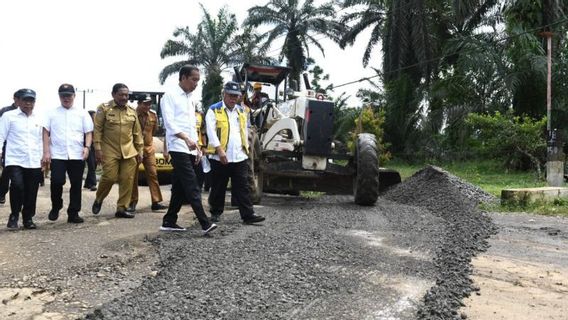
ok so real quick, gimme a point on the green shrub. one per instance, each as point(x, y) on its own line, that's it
point(370, 121)
point(518, 141)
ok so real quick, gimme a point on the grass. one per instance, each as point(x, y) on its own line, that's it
point(492, 177)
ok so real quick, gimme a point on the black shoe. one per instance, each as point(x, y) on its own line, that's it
point(166, 226)
point(75, 219)
point(53, 215)
point(12, 222)
point(215, 218)
point(124, 214)
point(211, 228)
point(156, 207)
point(253, 218)
point(2, 199)
point(131, 208)
point(29, 225)
point(93, 188)
point(97, 207)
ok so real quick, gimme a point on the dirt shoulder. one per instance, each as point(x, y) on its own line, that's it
point(60, 270)
point(524, 274)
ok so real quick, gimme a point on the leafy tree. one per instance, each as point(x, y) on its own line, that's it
point(317, 76)
point(211, 47)
point(298, 23)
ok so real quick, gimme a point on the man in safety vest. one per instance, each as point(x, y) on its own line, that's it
point(228, 149)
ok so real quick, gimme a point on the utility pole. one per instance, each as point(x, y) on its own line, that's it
point(555, 156)
point(85, 91)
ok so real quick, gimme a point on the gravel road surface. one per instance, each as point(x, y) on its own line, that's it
point(407, 257)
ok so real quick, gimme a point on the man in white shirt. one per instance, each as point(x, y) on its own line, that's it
point(67, 138)
point(227, 130)
point(4, 179)
point(178, 110)
point(21, 129)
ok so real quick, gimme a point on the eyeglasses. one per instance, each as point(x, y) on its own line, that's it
point(65, 95)
point(29, 99)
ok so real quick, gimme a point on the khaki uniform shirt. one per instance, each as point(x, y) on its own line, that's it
point(117, 131)
point(149, 125)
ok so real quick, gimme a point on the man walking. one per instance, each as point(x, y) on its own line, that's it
point(91, 178)
point(228, 148)
point(118, 143)
point(178, 109)
point(149, 124)
point(4, 179)
point(67, 137)
point(21, 130)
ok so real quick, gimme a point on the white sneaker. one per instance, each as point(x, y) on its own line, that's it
point(211, 228)
point(171, 227)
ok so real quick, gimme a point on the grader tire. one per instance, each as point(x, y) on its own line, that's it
point(255, 176)
point(366, 184)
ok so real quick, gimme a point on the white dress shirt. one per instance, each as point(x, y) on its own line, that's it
point(67, 128)
point(22, 134)
point(178, 111)
point(234, 152)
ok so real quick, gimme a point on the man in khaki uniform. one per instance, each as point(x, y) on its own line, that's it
point(149, 123)
point(118, 147)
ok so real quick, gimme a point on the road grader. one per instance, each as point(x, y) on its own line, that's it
point(292, 147)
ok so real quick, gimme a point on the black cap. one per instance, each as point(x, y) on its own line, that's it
point(27, 93)
point(18, 94)
point(232, 87)
point(144, 98)
point(66, 89)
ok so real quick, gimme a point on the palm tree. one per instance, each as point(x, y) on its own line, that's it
point(298, 24)
point(372, 14)
point(252, 46)
point(210, 48)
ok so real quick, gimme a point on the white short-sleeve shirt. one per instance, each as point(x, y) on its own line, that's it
point(23, 136)
point(67, 129)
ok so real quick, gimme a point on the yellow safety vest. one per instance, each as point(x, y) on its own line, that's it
point(199, 127)
point(222, 128)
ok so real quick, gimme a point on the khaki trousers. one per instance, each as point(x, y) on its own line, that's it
point(149, 162)
point(121, 171)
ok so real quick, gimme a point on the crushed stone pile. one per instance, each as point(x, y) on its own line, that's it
point(324, 258)
point(465, 235)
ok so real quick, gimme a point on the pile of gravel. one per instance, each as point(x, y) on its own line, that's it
point(323, 258)
point(466, 231)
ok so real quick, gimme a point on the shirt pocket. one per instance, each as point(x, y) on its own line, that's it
point(129, 119)
point(112, 120)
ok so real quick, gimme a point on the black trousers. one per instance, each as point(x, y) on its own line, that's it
point(184, 186)
point(91, 178)
point(240, 190)
point(74, 169)
point(4, 183)
point(199, 174)
point(4, 178)
point(23, 190)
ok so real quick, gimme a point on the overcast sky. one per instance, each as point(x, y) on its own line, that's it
point(94, 44)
